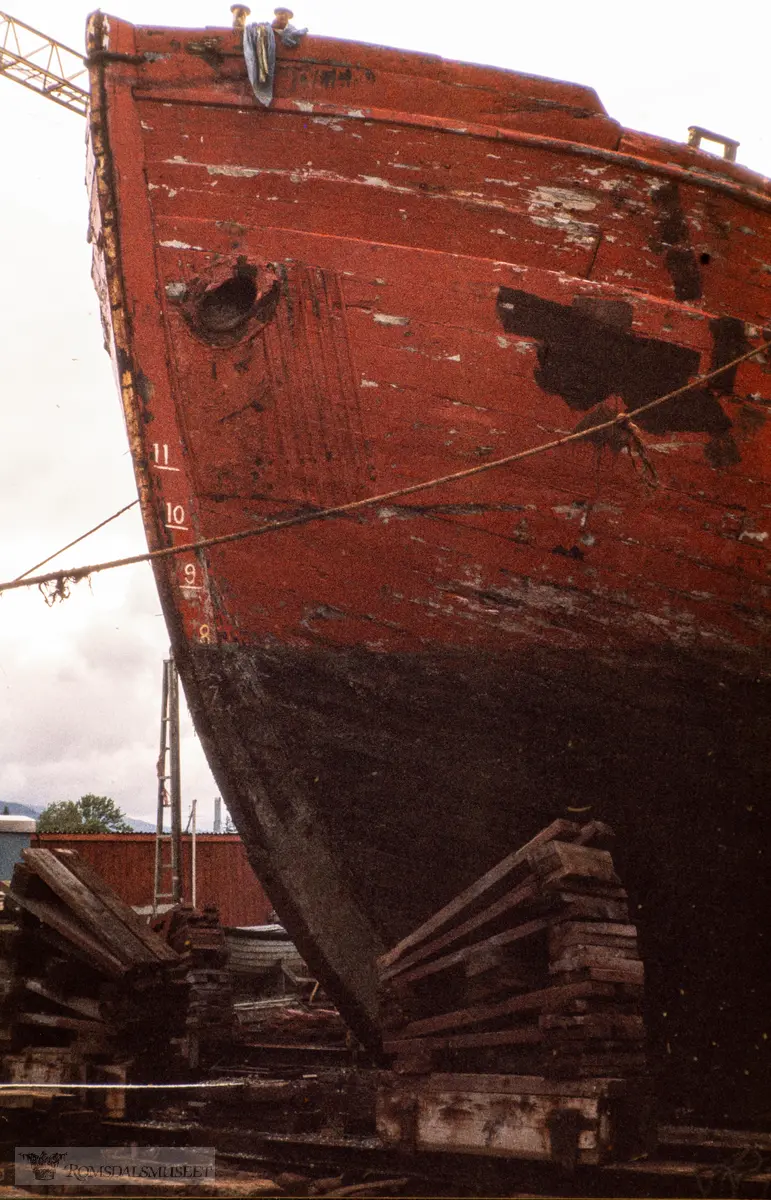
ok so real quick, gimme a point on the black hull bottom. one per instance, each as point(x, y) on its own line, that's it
point(389, 782)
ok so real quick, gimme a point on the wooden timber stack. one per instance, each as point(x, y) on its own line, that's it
point(91, 979)
point(209, 1016)
point(528, 984)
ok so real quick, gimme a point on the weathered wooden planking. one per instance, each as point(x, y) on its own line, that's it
point(593, 1025)
point(84, 1005)
point(546, 1000)
point(570, 931)
point(465, 1041)
point(89, 908)
point(515, 1116)
point(92, 880)
point(576, 958)
point(91, 948)
point(464, 904)
point(713, 1139)
point(59, 1021)
point(582, 907)
point(573, 862)
point(602, 970)
point(459, 957)
point(527, 892)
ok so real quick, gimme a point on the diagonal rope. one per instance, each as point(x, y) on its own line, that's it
point(78, 573)
point(82, 538)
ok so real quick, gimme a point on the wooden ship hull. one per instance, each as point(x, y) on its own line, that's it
point(401, 268)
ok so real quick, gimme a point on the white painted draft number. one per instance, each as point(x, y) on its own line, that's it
point(161, 457)
point(175, 516)
point(190, 578)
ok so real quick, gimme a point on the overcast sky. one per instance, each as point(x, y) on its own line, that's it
point(80, 682)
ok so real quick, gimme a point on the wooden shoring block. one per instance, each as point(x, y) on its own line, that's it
point(604, 1026)
point(458, 958)
point(597, 834)
point(580, 906)
point(622, 970)
point(521, 896)
point(618, 1062)
point(523, 1036)
point(59, 1021)
point(624, 947)
point(575, 958)
point(83, 1005)
point(478, 893)
point(561, 862)
point(60, 920)
point(548, 999)
point(92, 880)
point(88, 908)
point(586, 932)
point(567, 1122)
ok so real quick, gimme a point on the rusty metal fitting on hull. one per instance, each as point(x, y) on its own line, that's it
point(282, 17)
point(240, 13)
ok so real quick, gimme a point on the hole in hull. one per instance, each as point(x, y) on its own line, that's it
point(226, 307)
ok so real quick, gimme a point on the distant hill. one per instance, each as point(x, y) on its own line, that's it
point(34, 811)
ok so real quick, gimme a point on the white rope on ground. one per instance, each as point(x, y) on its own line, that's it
point(123, 1087)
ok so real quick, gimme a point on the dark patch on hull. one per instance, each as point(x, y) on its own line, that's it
point(585, 357)
point(424, 770)
point(673, 241)
point(729, 341)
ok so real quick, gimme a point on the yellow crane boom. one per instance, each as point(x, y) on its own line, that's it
point(42, 64)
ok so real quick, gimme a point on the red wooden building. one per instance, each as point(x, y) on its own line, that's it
point(127, 862)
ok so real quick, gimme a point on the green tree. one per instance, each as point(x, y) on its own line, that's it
point(89, 814)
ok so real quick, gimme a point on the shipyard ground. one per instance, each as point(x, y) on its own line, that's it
point(307, 1146)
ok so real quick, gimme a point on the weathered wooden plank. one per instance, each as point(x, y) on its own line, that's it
point(582, 907)
point(593, 1025)
point(596, 833)
point(51, 914)
point(79, 1004)
point(496, 1121)
point(92, 880)
point(527, 891)
point(527, 1085)
point(478, 891)
point(466, 1041)
point(575, 958)
point(622, 970)
point(583, 931)
point(459, 957)
point(59, 1021)
point(713, 1139)
point(573, 862)
point(545, 1000)
point(88, 908)
point(704, 1173)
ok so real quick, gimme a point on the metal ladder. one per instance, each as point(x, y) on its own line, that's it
point(167, 888)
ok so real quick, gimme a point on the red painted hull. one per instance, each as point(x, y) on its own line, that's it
point(400, 269)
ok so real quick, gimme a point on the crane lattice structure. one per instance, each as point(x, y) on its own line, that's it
point(42, 64)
